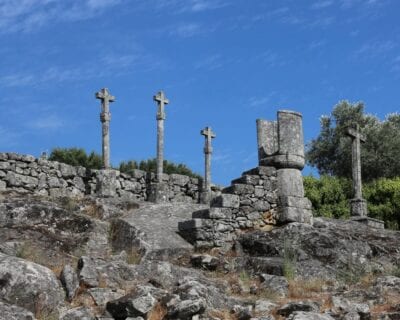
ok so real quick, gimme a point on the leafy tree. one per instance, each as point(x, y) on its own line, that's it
point(150, 165)
point(330, 152)
point(383, 198)
point(329, 196)
point(76, 157)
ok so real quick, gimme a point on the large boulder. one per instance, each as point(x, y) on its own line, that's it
point(29, 285)
point(12, 312)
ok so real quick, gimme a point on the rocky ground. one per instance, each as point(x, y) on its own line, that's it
point(93, 258)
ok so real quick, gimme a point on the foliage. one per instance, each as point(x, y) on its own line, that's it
point(76, 157)
point(150, 165)
point(383, 196)
point(330, 152)
point(330, 197)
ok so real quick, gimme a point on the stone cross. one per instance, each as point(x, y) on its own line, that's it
point(209, 135)
point(105, 117)
point(358, 203)
point(161, 100)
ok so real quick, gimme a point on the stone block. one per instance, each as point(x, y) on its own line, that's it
point(106, 183)
point(194, 224)
point(359, 207)
point(158, 193)
point(2, 174)
point(226, 200)
point(27, 158)
point(3, 156)
point(290, 183)
point(247, 179)
point(67, 171)
point(3, 185)
point(262, 205)
point(370, 222)
point(4, 166)
point(293, 214)
point(213, 213)
point(259, 191)
point(179, 179)
point(129, 185)
point(17, 180)
point(298, 202)
point(240, 189)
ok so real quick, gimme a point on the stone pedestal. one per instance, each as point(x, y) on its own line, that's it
point(370, 222)
point(359, 207)
point(158, 193)
point(106, 183)
point(205, 197)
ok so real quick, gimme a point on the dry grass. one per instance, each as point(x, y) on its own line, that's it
point(134, 256)
point(93, 210)
point(222, 314)
point(306, 288)
point(158, 312)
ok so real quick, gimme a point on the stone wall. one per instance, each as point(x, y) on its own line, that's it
point(25, 173)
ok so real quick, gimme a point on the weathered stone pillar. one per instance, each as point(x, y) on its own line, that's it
point(358, 204)
point(161, 102)
point(158, 190)
point(281, 145)
point(206, 192)
point(105, 117)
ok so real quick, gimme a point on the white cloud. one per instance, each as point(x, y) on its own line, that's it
point(187, 30)
point(49, 122)
point(30, 15)
point(322, 4)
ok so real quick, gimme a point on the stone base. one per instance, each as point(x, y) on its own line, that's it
point(294, 209)
point(205, 197)
point(370, 222)
point(359, 207)
point(158, 193)
point(106, 183)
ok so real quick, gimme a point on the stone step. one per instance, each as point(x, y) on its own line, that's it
point(213, 213)
point(247, 179)
point(239, 189)
point(261, 171)
point(226, 200)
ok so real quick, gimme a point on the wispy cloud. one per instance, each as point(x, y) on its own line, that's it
point(194, 6)
point(257, 101)
point(187, 30)
point(210, 63)
point(321, 4)
point(374, 49)
point(29, 15)
point(48, 122)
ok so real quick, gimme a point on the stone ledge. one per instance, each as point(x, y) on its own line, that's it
point(369, 222)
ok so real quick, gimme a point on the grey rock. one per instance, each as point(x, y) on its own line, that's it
point(26, 284)
point(291, 307)
point(275, 284)
point(88, 274)
point(301, 315)
point(3, 185)
point(131, 306)
point(13, 312)
point(264, 306)
point(186, 309)
point(70, 281)
point(103, 295)
point(206, 262)
point(81, 313)
point(343, 305)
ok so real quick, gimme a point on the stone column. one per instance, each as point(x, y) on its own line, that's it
point(105, 117)
point(161, 102)
point(358, 204)
point(281, 145)
point(206, 192)
point(159, 190)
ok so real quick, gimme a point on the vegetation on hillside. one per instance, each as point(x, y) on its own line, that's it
point(330, 152)
point(79, 157)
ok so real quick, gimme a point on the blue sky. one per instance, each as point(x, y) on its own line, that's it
point(222, 63)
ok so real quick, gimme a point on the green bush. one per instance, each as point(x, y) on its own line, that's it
point(76, 157)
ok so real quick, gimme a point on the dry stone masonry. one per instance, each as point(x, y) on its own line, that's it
point(270, 194)
point(26, 174)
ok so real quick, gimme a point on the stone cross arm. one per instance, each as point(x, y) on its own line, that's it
point(105, 95)
point(355, 133)
point(207, 132)
point(161, 98)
